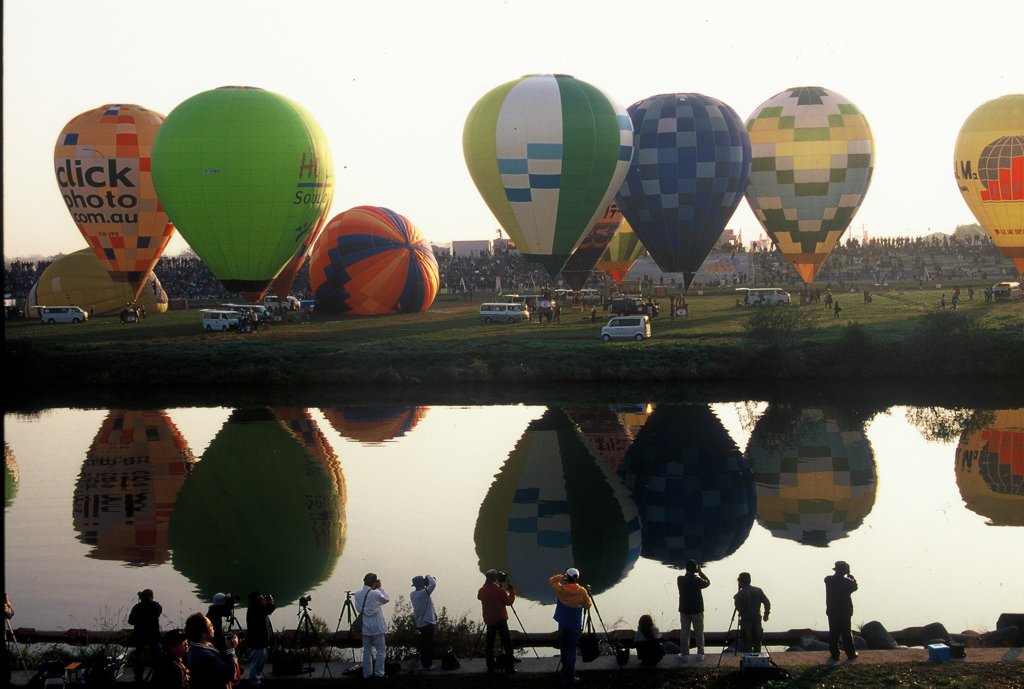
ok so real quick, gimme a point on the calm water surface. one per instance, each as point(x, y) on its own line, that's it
point(100, 504)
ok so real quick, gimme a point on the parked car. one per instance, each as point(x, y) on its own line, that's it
point(625, 306)
point(1006, 291)
point(636, 327)
point(62, 314)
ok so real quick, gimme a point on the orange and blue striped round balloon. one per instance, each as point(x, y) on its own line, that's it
point(370, 260)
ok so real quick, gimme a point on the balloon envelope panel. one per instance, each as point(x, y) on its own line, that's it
point(687, 177)
point(370, 260)
point(103, 162)
point(989, 168)
point(815, 474)
point(79, 279)
point(547, 153)
point(245, 174)
point(581, 264)
point(374, 423)
point(812, 159)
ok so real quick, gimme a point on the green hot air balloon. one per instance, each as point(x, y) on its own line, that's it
point(245, 174)
point(262, 510)
point(547, 153)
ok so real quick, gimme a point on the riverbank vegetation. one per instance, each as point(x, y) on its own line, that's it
point(900, 334)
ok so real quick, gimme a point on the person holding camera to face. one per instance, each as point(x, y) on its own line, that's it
point(145, 618)
point(839, 588)
point(495, 596)
point(426, 617)
point(223, 608)
point(691, 609)
point(573, 599)
point(258, 632)
point(210, 668)
point(369, 602)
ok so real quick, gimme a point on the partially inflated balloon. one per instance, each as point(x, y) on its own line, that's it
point(547, 152)
point(989, 168)
point(102, 160)
point(371, 260)
point(622, 252)
point(990, 466)
point(372, 424)
point(812, 159)
point(79, 279)
point(687, 177)
point(245, 174)
point(581, 264)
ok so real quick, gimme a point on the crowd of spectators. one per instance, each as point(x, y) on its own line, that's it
point(878, 261)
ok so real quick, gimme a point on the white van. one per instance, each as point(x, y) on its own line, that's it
point(62, 314)
point(504, 313)
point(220, 319)
point(764, 296)
point(290, 303)
point(635, 327)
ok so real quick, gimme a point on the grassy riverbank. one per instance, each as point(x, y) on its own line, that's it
point(900, 336)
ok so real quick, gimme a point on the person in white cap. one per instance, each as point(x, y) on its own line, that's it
point(839, 588)
point(573, 599)
point(369, 601)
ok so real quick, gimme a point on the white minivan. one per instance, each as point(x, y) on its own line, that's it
point(764, 296)
point(62, 314)
point(635, 327)
point(220, 319)
point(504, 313)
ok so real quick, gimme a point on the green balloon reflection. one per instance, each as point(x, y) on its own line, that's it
point(11, 476)
point(263, 509)
point(554, 505)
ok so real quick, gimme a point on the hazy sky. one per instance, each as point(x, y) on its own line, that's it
point(391, 82)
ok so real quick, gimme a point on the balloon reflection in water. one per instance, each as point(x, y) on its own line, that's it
point(126, 490)
point(990, 467)
point(691, 484)
point(554, 505)
point(11, 476)
point(374, 423)
point(79, 279)
point(263, 509)
point(609, 431)
point(815, 473)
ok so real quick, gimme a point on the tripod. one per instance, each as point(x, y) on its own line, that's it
point(725, 645)
point(614, 645)
point(307, 636)
point(348, 613)
point(21, 653)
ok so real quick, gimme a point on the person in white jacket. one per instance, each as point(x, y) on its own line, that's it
point(369, 602)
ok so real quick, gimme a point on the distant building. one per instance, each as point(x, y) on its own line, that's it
point(474, 248)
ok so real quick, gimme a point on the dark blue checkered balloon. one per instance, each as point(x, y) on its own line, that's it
point(687, 177)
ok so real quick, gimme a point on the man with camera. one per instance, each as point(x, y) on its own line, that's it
point(691, 609)
point(208, 667)
point(748, 601)
point(258, 632)
point(573, 599)
point(369, 601)
point(223, 608)
point(425, 616)
point(839, 588)
point(145, 618)
point(495, 595)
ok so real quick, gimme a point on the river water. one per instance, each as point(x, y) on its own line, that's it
point(294, 501)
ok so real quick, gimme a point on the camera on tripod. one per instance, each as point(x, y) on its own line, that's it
point(304, 601)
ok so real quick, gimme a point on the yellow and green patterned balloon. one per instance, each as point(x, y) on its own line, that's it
point(245, 174)
point(812, 155)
